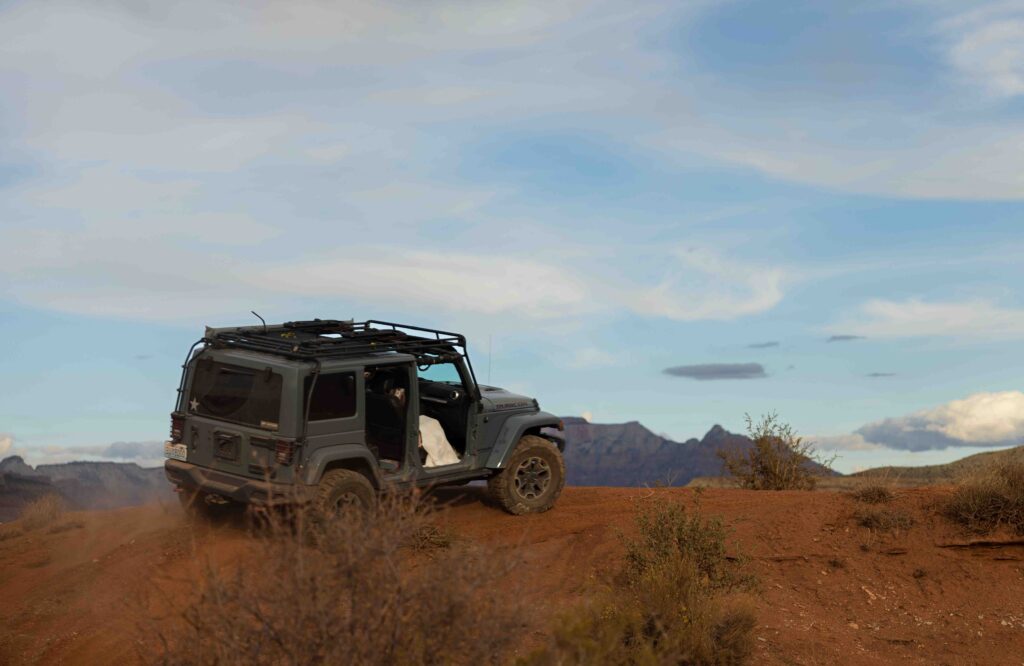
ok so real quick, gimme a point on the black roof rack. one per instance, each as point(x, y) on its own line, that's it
point(322, 339)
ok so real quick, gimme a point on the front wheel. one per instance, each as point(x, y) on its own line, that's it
point(532, 480)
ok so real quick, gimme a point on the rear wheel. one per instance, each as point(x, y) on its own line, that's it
point(532, 480)
point(342, 490)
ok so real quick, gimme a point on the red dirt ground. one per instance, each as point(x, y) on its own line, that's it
point(831, 592)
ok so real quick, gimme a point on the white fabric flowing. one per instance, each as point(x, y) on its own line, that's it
point(434, 441)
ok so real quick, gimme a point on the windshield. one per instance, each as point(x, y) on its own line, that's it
point(235, 393)
point(441, 372)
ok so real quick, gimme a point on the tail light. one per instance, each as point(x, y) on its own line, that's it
point(284, 450)
point(177, 426)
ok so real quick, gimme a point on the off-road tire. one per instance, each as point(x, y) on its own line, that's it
point(340, 489)
point(532, 480)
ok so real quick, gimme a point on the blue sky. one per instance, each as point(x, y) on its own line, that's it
point(604, 190)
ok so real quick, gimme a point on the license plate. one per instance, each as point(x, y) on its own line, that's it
point(175, 451)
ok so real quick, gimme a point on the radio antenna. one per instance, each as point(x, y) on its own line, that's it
point(261, 319)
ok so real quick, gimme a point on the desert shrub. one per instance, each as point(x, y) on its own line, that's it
point(673, 603)
point(42, 512)
point(668, 533)
point(779, 459)
point(430, 537)
point(352, 590)
point(991, 499)
point(884, 520)
point(10, 532)
point(873, 494)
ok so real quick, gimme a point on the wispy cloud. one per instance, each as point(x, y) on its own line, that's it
point(704, 285)
point(717, 371)
point(917, 318)
point(762, 345)
point(591, 357)
point(880, 375)
point(986, 47)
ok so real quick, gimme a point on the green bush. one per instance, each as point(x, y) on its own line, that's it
point(778, 459)
point(674, 603)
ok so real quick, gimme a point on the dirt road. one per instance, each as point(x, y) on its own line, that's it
point(830, 590)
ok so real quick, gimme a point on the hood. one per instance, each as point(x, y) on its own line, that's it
point(496, 399)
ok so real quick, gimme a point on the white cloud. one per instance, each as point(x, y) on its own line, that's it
point(916, 318)
point(145, 454)
point(484, 284)
point(6, 444)
point(591, 357)
point(851, 442)
point(986, 46)
point(703, 285)
point(979, 420)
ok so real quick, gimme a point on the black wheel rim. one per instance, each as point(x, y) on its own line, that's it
point(532, 478)
point(347, 501)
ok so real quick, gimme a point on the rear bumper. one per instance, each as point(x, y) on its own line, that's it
point(191, 477)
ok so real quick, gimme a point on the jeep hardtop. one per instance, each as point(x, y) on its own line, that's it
point(326, 412)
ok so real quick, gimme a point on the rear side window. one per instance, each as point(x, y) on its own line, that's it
point(334, 396)
point(235, 393)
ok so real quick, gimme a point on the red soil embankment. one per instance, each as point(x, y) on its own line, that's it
point(830, 590)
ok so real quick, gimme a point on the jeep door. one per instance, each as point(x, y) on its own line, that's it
point(448, 396)
point(336, 411)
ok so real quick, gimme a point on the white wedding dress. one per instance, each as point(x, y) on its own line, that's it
point(435, 443)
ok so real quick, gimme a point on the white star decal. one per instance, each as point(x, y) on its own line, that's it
point(193, 404)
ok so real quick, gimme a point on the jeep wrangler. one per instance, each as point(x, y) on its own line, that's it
point(326, 412)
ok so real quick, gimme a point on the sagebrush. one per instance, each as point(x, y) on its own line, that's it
point(354, 590)
point(675, 601)
point(778, 459)
point(873, 494)
point(884, 520)
point(42, 512)
point(989, 500)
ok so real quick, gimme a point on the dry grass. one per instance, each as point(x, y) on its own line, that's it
point(675, 601)
point(884, 520)
point(778, 459)
point(10, 532)
point(354, 590)
point(990, 499)
point(43, 512)
point(873, 493)
point(66, 526)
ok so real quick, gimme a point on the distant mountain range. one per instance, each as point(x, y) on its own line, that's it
point(83, 485)
point(628, 454)
point(615, 454)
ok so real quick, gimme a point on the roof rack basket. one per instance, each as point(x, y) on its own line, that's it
point(322, 339)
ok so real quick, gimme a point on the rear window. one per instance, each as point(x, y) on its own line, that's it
point(334, 396)
point(234, 393)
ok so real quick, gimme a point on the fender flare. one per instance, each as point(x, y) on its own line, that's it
point(356, 454)
point(514, 428)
